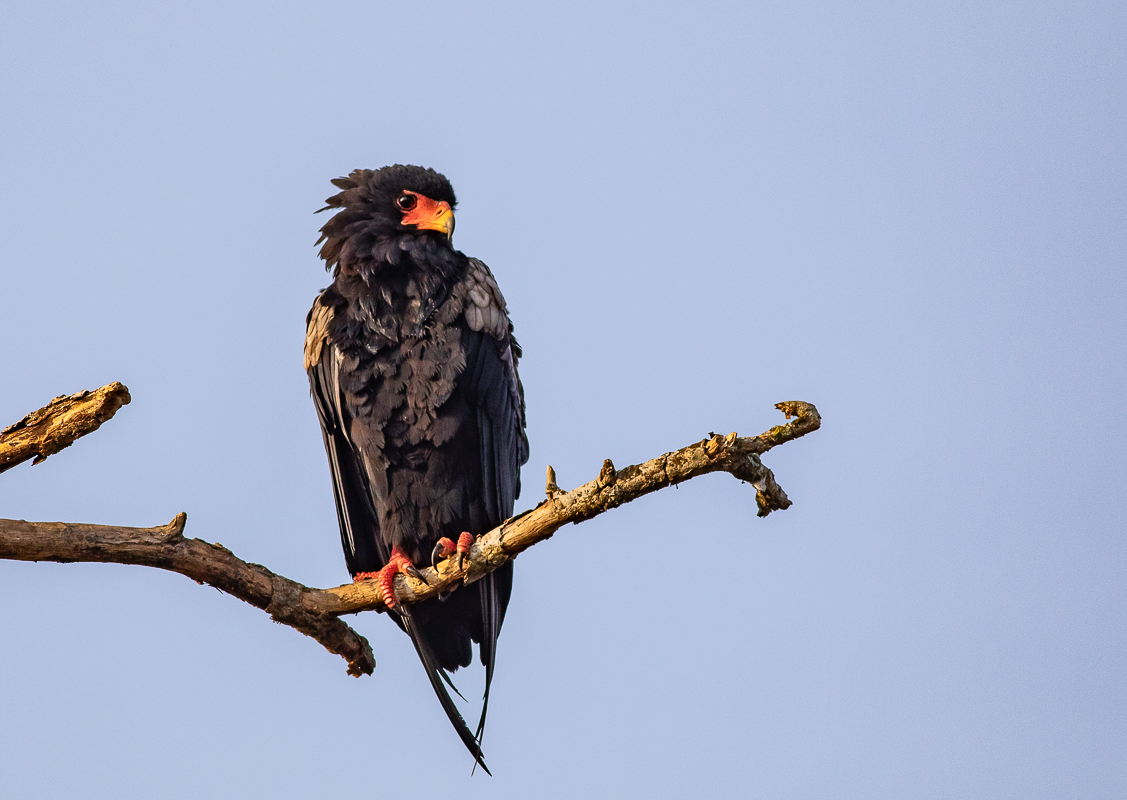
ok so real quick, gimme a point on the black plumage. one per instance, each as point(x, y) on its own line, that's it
point(412, 366)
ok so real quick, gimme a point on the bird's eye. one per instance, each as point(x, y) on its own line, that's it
point(406, 201)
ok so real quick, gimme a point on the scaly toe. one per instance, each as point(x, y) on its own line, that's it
point(444, 549)
point(465, 542)
point(386, 579)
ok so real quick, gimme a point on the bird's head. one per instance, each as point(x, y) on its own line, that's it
point(381, 206)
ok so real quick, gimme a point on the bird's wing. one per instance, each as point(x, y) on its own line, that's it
point(359, 523)
point(353, 479)
point(492, 384)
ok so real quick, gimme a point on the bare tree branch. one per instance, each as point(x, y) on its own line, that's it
point(732, 454)
point(47, 431)
point(165, 547)
point(315, 612)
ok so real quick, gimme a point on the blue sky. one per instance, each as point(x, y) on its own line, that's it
point(912, 216)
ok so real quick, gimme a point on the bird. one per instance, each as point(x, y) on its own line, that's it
point(412, 367)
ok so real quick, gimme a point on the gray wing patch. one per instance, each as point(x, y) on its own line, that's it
point(483, 303)
point(484, 308)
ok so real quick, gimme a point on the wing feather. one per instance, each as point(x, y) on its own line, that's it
point(495, 389)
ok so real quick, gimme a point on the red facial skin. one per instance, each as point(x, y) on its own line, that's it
point(429, 215)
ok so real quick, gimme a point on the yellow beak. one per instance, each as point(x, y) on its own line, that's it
point(428, 215)
point(443, 222)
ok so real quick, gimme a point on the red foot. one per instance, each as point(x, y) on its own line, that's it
point(446, 548)
point(465, 542)
point(385, 578)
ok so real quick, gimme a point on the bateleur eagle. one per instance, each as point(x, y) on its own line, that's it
point(413, 370)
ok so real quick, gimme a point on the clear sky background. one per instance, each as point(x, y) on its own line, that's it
point(912, 215)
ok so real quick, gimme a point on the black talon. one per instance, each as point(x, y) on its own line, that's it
point(436, 555)
point(414, 573)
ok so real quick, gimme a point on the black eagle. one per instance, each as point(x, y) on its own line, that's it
point(413, 369)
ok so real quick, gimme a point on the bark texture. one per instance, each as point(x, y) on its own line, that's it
point(165, 547)
point(315, 612)
point(47, 431)
point(733, 454)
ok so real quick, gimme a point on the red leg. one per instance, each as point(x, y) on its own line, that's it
point(398, 564)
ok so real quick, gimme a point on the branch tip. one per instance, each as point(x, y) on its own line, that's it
point(58, 424)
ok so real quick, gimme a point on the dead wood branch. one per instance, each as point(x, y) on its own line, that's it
point(732, 454)
point(315, 612)
point(165, 547)
point(47, 431)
